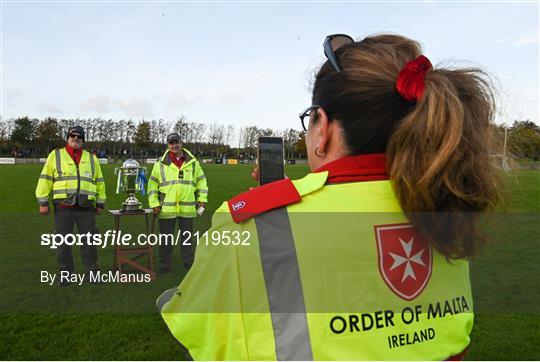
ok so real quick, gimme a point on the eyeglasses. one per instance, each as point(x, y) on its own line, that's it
point(305, 114)
point(333, 43)
point(76, 136)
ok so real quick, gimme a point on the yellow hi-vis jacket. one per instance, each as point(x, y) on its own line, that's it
point(321, 279)
point(177, 191)
point(69, 183)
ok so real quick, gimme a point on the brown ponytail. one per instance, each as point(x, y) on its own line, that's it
point(437, 148)
point(438, 159)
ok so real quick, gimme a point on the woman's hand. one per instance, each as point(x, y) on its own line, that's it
point(255, 173)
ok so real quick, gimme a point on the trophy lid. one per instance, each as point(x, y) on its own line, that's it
point(131, 163)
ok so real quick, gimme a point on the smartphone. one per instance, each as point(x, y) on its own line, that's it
point(270, 159)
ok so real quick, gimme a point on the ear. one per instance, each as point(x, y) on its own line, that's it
point(323, 130)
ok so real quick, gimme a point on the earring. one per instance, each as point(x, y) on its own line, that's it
point(317, 154)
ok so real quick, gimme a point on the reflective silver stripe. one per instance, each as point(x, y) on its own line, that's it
point(283, 286)
point(64, 191)
point(74, 178)
point(73, 191)
point(202, 191)
point(168, 203)
point(165, 297)
point(43, 199)
point(153, 192)
point(152, 178)
point(58, 162)
point(66, 178)
point(201, 177)
point(89, 193)
point(176, 182)
point(87, 179)
point(187, 203)
point(100, 179)
point(92, 166)
point(162, 171)
point(46, 177)
point(101, 201)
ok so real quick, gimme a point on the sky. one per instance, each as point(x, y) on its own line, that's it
point(239, 63)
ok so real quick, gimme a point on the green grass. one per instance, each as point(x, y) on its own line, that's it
point(118, 321)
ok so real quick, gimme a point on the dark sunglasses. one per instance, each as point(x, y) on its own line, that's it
point(305, 113)
point(76, 136)
point(174, 142)
point(333, 43)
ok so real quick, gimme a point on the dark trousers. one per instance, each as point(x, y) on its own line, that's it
point(166, 226)
point(64, 221)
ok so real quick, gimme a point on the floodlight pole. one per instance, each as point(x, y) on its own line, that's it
point(505, 136)
point(239, 141)
point(504, 147)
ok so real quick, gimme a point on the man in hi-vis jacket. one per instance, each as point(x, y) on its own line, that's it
point(177, 190)
point(73, 177)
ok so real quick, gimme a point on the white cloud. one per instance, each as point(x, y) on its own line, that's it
point(135, 107)
point(530, 37)
point(178, 101)
point(50, 109)
point(13, 93)
point(230, 97)
point(98, 104)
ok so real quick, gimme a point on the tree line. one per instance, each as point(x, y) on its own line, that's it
point(30, 137)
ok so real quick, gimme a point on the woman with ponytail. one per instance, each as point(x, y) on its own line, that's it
point(366, 256)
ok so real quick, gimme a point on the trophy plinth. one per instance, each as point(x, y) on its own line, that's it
point(132, 204)
point(129, 181)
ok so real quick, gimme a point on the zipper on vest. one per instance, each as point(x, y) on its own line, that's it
point(78, 182)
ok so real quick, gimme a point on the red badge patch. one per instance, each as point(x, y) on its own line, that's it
point(405, 259)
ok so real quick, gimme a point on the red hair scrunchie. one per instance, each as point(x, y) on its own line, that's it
point(411, 79)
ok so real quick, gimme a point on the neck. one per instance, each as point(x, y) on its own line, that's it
point(332, 155)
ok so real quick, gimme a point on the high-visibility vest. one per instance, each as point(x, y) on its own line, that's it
point(70, 183)
point(176, 190)
point(324, 278)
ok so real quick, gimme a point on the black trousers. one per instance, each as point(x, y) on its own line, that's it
point(64, 221)
point(166, 226)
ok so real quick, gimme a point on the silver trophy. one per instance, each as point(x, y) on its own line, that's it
point(129, 180)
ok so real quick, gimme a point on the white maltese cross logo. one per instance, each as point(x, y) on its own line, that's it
point(416, 258)
point(405, 259)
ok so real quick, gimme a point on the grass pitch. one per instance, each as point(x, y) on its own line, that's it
point(119, 321)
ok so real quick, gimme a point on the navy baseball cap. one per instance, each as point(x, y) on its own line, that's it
point(173, 137)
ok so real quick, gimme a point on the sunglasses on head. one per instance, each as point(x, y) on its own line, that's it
point(330, 45)
point(76, 136)
point(333, 43)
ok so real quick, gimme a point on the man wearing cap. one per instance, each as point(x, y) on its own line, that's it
point(73, 177)
point(177, 190)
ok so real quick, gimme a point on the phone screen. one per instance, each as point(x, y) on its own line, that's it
point(270, 155)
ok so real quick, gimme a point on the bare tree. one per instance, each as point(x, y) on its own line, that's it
point(197, 132)
point(6, 127)
point(182, 127)
point(216, 134)
point(229, 132)
point(290, 138)
point(250, 135)
point(130, 129)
